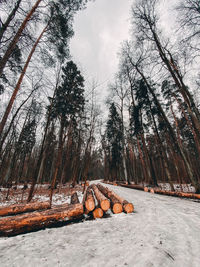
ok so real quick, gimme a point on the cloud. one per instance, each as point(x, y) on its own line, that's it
point(99, 30)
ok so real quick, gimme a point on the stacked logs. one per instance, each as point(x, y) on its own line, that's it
point(100, 199)
point(38, 216)
point(97, 200)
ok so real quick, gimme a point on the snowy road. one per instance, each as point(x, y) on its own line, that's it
point(164, 231)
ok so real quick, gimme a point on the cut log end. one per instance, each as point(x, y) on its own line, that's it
point(117, 208)
point(105, 204)
point(98, 213)
point(146, 189)
point(128, 208)
point(90, 204)
point(152, 191)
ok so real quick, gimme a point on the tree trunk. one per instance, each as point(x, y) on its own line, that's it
point(38, 220)
point(104, 203)
point(12, 99)
point(12, 121)
point(21, 208)
point(58, 160)
point(9, 19)
point(14, 41)
point(115, 203)
point(89, 201)
point(127, 207)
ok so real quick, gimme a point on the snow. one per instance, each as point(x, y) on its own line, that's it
point(163, 231)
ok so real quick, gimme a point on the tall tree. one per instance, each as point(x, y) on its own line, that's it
point(68, 105)
point(114, 137)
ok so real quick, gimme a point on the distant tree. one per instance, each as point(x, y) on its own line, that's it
point(114, 137)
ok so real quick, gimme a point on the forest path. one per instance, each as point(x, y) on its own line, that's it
point(163, 231)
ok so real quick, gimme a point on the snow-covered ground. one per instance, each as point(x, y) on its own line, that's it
point(164, 231)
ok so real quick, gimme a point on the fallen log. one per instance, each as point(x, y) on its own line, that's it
point(38, 220)
point(127, 206)
point(88, 200)
point(22, 208)
point(146, 189)
point(152, 191)
point(103, 201)
point(97, 213)
point(74, 198)
point(133, 186)
point(177, 194)
point(116, 206)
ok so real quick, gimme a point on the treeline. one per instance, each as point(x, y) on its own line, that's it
point(48, 117)
point(153, 130)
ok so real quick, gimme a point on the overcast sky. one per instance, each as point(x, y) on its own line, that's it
point(99, 30)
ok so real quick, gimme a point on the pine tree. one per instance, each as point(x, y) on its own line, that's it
point(114, 137)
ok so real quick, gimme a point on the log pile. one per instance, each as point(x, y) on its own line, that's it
point(105, 199)
point(97, 200)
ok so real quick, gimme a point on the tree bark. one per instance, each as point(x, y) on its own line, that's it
point(89, 201)
point(9, 19)
point(104, 203)
point(74, 198)
point(14, 41)
point(38, 220)
point(127, 206)
point(12, 99)
point(115, 203)
point(21, 208)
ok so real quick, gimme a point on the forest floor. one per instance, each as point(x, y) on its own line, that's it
point(163, 231)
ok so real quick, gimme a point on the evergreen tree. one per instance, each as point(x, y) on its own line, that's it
point(114, 138)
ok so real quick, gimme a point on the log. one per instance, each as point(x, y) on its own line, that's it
point(116, 206)
point(103, 201)
point(74, 198)
point(88, 200)
point(38, 220)
point(177, 194)
point(152, 190)
point(86, 184)
point(146, 189)
point(21, 208)
point(97, 213)
point(133, 186)
point(127, 206)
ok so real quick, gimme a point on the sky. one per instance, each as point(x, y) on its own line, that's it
point(99, 31)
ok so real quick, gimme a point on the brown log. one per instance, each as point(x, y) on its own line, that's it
point(103, 202)
point(177, 194)
point(152, 190)
point(88, 200)
point(115, 203)
point(146, 189)
point(38, 220)
point(21, 208)
point(97, 213)
point(86, 184)
point(133, 186)
point(127, 206)
point(74, 198)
